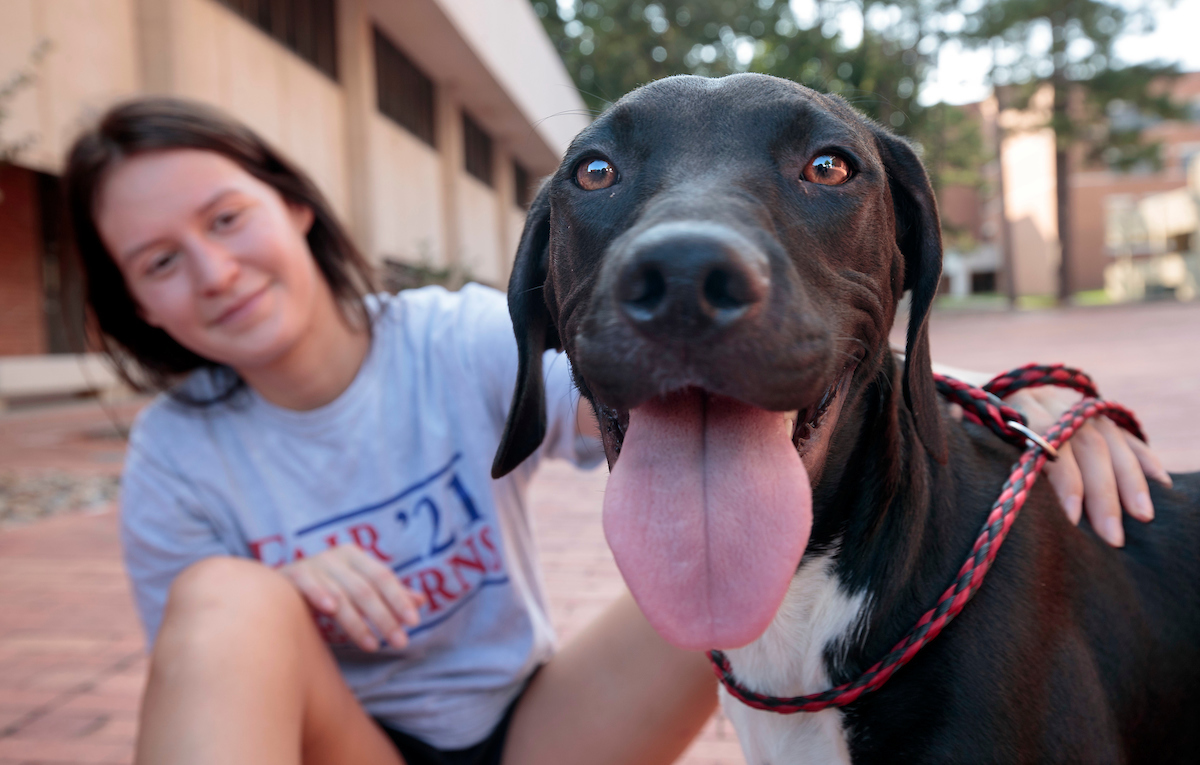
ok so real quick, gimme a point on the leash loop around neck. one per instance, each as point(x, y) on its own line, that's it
point(982, 406)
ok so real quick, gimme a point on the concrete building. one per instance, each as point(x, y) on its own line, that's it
point(425, 122)
point(1101, 200)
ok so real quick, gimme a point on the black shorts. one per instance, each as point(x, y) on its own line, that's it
point(486, 752)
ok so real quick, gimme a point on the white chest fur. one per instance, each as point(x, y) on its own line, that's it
point(789, 660)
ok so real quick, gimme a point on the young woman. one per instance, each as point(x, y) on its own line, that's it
point(345, 441)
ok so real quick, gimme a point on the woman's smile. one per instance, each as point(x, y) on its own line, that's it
point(242, 311)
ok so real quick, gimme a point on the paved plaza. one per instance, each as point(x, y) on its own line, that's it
point(71, 661)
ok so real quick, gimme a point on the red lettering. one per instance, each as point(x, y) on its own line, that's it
point(257, 549)
point(330, 630)
point(433, 584)
point(299, 554)
point(485, 537)
point(457, 562)
point(331, 540)
point(371, 541)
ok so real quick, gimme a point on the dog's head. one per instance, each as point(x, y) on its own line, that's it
point(722, 260)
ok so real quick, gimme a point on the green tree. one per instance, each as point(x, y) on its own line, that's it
point(612, 46)
point(1069, 45)
point(10, 88)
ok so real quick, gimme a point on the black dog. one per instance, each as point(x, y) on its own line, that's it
point(722, 260)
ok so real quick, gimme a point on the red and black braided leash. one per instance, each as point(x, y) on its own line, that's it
point(984, 407)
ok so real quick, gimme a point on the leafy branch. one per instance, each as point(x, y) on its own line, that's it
point(21, 80)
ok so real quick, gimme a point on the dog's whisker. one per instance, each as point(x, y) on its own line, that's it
point(605, 99)
point(586, 112)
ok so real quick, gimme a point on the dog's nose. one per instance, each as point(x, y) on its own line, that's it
point(689, 278)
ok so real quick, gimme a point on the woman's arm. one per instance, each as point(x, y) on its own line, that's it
point(164, 530)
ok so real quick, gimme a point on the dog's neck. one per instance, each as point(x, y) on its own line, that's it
point(889, 509)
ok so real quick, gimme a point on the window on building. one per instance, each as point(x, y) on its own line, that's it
point(41, 282)
point(402, 91)
point(477, 148)
point(62, 274)
point(523, 190)
point(308, 28)
point(983, 281)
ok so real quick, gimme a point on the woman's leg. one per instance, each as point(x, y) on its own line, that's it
point(240, 675)
point(617, 694)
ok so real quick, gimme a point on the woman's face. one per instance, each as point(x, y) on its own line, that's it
point(212, 255)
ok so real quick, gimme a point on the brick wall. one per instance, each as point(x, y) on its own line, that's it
point(22, 317)
point(962, 208)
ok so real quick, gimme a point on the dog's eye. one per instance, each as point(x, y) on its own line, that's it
point(827, 170)
point(595, 174)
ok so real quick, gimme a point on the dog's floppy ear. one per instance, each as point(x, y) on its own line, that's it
point(919, 236)
point(535, 331)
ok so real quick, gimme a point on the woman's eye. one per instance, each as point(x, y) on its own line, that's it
point(226, 219)
point(595, 174)
point(161, 262)
point(827, 169)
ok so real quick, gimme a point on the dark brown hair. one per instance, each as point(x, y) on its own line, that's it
point(146, 357)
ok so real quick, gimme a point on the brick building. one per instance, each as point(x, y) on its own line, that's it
point(1019, 200)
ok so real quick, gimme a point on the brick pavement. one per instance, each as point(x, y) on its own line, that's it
point(1146, 356)
point(71, 660)
point(77, 438)
point(71, 666)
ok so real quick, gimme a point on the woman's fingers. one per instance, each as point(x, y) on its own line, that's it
point(365, 601)
point(1067, 481)
point(1147, 459)
point(1064, 474)
point(1131, 480)
point(353, 624)
point(360, 592)
point(1043, 406)
point(402, 601)
point(313, 587)
point(1101, 497)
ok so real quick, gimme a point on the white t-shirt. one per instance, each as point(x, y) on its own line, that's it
point(398, 464)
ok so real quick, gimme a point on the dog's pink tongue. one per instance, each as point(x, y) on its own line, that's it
point(708, 510)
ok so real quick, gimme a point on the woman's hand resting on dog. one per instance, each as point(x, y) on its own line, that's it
point(1101, 468)
point(361, 594)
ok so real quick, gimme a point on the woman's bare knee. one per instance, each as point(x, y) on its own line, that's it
point(219, 604)
point(231, 585)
